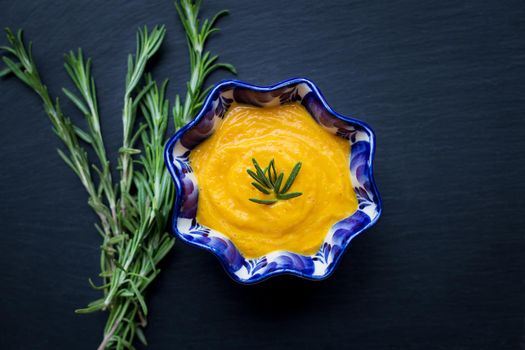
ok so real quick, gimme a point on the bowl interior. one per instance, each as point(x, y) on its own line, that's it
point(317, 266)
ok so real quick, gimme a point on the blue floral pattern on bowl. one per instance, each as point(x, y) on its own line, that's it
point(317, 266)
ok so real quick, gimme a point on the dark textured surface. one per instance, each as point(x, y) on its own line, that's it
point(442, 83)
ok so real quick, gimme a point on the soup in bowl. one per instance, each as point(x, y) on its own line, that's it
point(271, 180)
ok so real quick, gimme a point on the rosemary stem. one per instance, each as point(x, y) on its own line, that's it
point(108, 336)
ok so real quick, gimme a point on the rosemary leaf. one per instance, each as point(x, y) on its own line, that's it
point(263, 201)
point(278, 183)
point(261, 174)
point(80, 105)
point(289, 195)
point(273, 172)
point(260, 188)
point(256, 177)
point(7, 70)
point(291, 179)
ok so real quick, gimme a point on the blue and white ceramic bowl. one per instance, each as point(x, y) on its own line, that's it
point(315, 267)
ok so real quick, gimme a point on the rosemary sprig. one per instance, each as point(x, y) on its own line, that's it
point(202, 63)
point(267, 181)
point(133, 211)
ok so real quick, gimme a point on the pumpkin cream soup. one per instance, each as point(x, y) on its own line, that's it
point(273, 179)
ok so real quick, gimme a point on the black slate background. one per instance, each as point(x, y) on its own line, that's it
point(441, 82)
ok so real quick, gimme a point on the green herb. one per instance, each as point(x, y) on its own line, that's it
point(134, 211)
point(202, 63)
point(268, 182)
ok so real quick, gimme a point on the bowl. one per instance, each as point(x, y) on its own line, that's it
point(315, 267)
